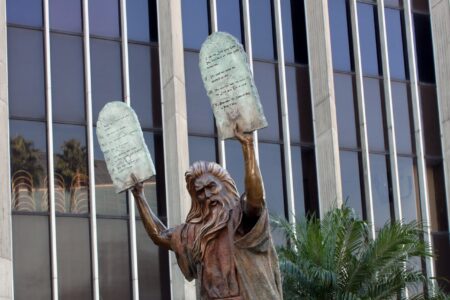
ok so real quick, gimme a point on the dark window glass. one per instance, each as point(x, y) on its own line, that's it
point(294, 31)
point(351, 181)
point(266, 83)
point(25, 12)
point(107, 201)
point(65, 15)
point(229, 17)
point(104, 18)
point(67, 78)
point(374, 114)
point(31, 243)
point(397, 55)
point(141, 83)
point(345, 110)
point(26, 83)
point(74, 259)
point(310, 181)
point(195, 23)
point(441, 242)
point(430, 120)
point(261, 24)
point(436, 195)
point(424, 47)
point(71, 173)
point(200, 115)
point(297, 178)
point(380, 189)
point(299, 105)
point(402, 119)
point(407, 177)
point(201, 148)
point(421, 5)
point(150, 188)
point(28, 166)
point(113, 259)
point(235, 163)
point(149, 267)
point(138, 20)
point(106, 74)
point(270, 164)
point(340, 41)
point(368, 38)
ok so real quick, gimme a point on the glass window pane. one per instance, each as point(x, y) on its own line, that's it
point(104, 18)
point(351, 181)
point(195, 23)
point(402, 118)
point(107, 201)
point(200, 115)
point(310, 181)
point(28, 166)
point(421, 5)
point(368, 38)
point(235, 163)
point(266, 83)
point(430, 120)
point(261, 24)
point(150, 188)
point(149, 267)
point(396, 3)
point(67, 78)
point(394, 30)
point(71, 173)
point(113, 259)
point(436, 195)
point(31, 257)
point(441, 242)
point(407, 175)
point(201, 149)
point(229, 17)
point(297, 178)
point(65, 15)
point(138, 20)
point(106, 74)
point(74, 258)
point(424, 47)
point(380, 189)
point(374, 114)
point(26, 83)
point(270, 164)
point(294, 31)
point(24, 12)
point(141, 83)
point(345, 110)
point(340, 35)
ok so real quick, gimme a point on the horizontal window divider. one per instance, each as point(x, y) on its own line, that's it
point(142, 43)
point(71, 33)
point(22, 26)
point(30, 213)
point(296, 65)
point(30, 119)
point(69, 215)
point(411, 155)
point(350, 149)
point(105, 38)
point(303, 145)
point(343, 72)
point(113, 217)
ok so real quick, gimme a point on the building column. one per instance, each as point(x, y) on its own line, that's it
point(440, 22)
point(6, 274)
point(175, 133)
point(323, 105)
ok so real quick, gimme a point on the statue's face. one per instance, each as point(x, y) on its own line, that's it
point(208, 189)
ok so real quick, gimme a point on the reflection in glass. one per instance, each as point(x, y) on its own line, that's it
point(408, 188)
point(294, 31)
point(195, 23)
point(201, 149)
point(200, 115)
point(400, 103)
point(261, 24)
point(235, 163)
point(71, 174)
point(26, 81)
point(374, 114)
point(394, 30)
point(113, 259)
point(351, 181)
point(424, 48)
point(138, 20)
point(104, 17)
point(430, 120)
point(380, 189)
point(28, 166)
point(229, 17)
point(340, 35)
point(368, 38)
point(106, 74)
point(436, 195)
point(24, 12)
point(74, 258)
point(148, 262)
point(297, 178)
point(266, 83)
point(31, 251)
point(65, 15)
point(67, 78)
point(345, 110)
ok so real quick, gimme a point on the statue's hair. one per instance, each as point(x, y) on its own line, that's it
point(198, 213)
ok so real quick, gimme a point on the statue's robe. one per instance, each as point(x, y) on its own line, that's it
point(240, 263)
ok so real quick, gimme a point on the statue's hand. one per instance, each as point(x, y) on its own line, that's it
point(244, 138)
point(138, 187)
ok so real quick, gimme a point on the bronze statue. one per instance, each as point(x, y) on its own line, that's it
point(226, 242)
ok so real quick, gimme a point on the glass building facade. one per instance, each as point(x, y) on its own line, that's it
point(73, 237)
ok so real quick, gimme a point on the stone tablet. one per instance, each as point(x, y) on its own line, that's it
point(122, 142)
point(230, 86)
